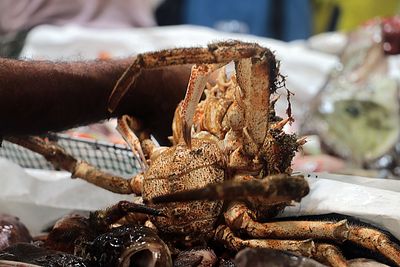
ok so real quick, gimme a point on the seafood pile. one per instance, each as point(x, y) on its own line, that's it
point(217, 189)
point(68, 244)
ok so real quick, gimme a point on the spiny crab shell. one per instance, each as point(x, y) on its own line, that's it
point(179, 169)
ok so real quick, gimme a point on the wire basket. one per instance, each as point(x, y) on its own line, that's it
point(113, 158)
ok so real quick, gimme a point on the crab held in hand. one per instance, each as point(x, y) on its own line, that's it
point(228, 170)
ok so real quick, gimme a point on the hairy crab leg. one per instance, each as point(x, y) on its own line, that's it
point(141, 148)
point(133, 141)
point(61, 159)
point(252, 75)
point(240, 218)
point(376, 241)
point(322, 252)
point(222, 52)
point(197, 82)
point(102, 219)
point(277, 188)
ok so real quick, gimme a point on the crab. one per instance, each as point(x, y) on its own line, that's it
point(228, 171)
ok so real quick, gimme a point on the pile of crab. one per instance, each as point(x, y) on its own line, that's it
point(215, 191)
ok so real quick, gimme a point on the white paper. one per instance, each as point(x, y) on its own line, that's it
point(39, 197)
point(361, 199)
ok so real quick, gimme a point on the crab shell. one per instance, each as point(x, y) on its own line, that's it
point(177, 169)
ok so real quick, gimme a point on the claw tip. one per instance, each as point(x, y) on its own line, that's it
point(301, 141)
point(187, 137)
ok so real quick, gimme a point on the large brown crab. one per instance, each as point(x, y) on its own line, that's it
point(229, 156)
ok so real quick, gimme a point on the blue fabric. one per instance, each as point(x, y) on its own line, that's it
point(297, 20)
point(281, 19)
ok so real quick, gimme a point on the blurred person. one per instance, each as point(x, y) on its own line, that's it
point(17, 17)
point(38, 96)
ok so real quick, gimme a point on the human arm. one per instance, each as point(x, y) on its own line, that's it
point(39, 96)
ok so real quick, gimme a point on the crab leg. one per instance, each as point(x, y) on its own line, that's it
point(277, 188)
point(133, 141)
point(254, 81)
point(197, 82)
point(375, 240)
point(322, 252)
point(102, 219)
point(221, 52)
point(61, 159)
point(239, 217)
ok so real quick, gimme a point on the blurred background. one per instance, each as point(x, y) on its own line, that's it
point(285, 20)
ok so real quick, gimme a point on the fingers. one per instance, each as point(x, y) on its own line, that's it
point(154, 97)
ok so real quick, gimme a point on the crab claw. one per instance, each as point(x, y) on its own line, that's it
point(123, 84)
point(197, 82)
point(133, 141)
point(302, 141)
point(102, 219)
point(127, 206)
point(279, 125)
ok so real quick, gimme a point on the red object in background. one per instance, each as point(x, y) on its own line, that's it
point(391, 35)
point(318, 163)
point(104, 55)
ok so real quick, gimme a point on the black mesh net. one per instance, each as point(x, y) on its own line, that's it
point(114, 158)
